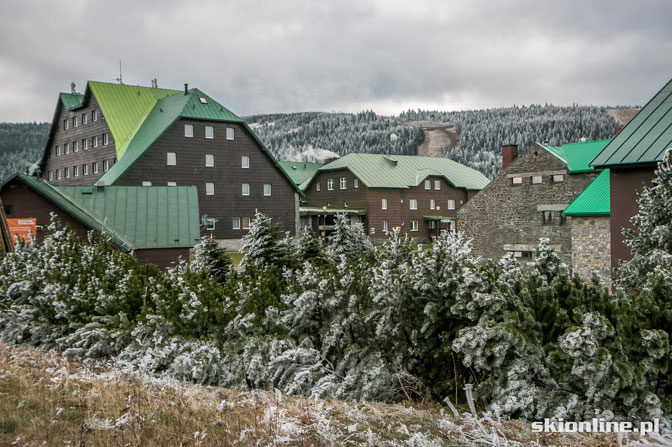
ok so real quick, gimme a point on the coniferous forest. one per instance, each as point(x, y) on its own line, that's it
point(315, 136)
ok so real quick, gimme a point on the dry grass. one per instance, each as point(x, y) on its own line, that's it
point(47, 400)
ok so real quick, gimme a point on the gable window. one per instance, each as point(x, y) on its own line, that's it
point(536, 179)
point(95, 141)
point(58, 174)
point(94, 115)
point(58, 151)
point(428, 185)
point(171, 158)
point(451, 204)
point(317, 186)
point(413, 204)
point(84, 120)
point(66, 148)
point(75, 170)
point(437, 185)
point(432, 204)
point(414, 225)
point(384, 226)
point(245, 161)
point(330, 184)
point(75, 121)
point(67, 172)
point(209, 160)
point(355, 183)
point(106, 165)
point(344, 183)
point(383, 204)
point(236, 223)
point(246, 223)
point(267, 189)
point(209, 132)
point(547, 217)
point(95, 167)
point(85, 144)
point(51, 176)
point(229, 133)
point(172, 184)
point(75, 146)
point(106, 139)
point(558, 178)
point(246, 189)
point(146, 183)
point(85, 169)
point(66, 124)
point(209, 189)
point(189, 130)
point(516, 180)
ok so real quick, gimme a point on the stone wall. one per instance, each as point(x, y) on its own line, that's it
point(504, 217)
point(591, 247)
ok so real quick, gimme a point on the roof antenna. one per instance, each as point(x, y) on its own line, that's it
point(120, 79)
point(72, 88)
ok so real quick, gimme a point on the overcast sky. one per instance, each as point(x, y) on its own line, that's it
point(385, 55)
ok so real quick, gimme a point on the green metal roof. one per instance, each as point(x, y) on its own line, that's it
point(71, 100)
point(319, 210)
point(300, 171)
point(594, 200)
point(438, 218)
point(135, 217)
point(578, 156)
point(645, 138)
point(405, 171)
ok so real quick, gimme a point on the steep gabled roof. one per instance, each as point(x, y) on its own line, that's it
point(594, 200)
point(134, 217)
point(300, 171)
point(645, 138)
point(577, 156)
point(405, 171)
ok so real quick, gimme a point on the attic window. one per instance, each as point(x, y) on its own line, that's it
point(203, 100)
point(517, 180)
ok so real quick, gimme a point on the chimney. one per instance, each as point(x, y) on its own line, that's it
point(509, 153)
point(72, 88)
point(186, 89)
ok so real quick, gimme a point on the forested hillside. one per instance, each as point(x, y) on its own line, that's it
point(21, 144)
point(314, 136)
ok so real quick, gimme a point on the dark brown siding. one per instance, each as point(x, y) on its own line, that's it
point(398, 213)
point(26, 203)
point(624, 185)
point(227, 175)
point(75, 135)
point(163, 257)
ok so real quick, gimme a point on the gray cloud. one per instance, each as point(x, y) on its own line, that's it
point(389, 55)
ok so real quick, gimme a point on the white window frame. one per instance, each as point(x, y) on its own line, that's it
point(413, 204)
point(188, 131)
point(51, 176)
point(171, 159)
point(95, 141)
point(230, 133)
point(94, 168)
point(75, 171)
point(172, 184)
point(558, 178)
point(146, 183)
point(106, 165)
point(58, 174)
point(66, 148)
point(432, 204)
point(67, 171)
point(516, 180)
point(210, 223)
point(451, 204)
point(428, 185)
point(414, 225)
point(85, 169)
point(84, 118)
point(383, 204)
point(355, 183)
point(94, 115)
point(106, 139)
point(66, 124)
point(75, 146)
point(330, 184)
point(212, 132)
point(209, 189)
point(245, 161)
point(242, 223)
point(383, 226)
point(85, 144)
point(268, 189)
point(211, 160)
point(343, 183)
point(245, 189)
point(317, 186)
point(75, 121)
point(437, 185)
point(58, 151)
point(537, 179)
point(236, 223)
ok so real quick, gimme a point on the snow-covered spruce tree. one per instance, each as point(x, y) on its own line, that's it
point(264, 244)
point(651, 239)
point(211, 259)
point(349, 239)
point(308, 246)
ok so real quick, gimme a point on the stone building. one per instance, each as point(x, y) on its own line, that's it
point(525, 201)
point(591, 233)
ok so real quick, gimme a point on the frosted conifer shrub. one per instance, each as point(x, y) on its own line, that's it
point(349, 239)
point(211, 259)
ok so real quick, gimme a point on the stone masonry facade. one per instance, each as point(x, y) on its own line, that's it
point(591, 248)
point(510, 216)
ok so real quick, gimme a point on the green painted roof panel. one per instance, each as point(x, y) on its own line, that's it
point(71, 100)
point(300, 171)
point(405, 171)
point(594, 200)
point(645, 138)
point(578, 155)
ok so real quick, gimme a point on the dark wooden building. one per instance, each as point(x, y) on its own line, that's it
point(421, 195)
point(125, 135)
point(158, 224)
point(632, 157)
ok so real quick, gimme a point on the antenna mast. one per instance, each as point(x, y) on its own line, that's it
point(120, 79)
